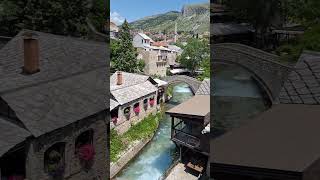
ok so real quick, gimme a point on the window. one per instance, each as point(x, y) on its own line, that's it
point(84, 138)
point(136, 108)
point(145, 103)
point(151, 101)
point(54, 160)
point(85, 150)
point(126, 111)
point(142, 41)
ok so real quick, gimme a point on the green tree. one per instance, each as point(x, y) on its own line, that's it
point(123, 54)
point(261, 14)
point(52, 16)
point(194, 53)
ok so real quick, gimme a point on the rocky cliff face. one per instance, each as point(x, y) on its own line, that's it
point(194, 17)
point(195, 9)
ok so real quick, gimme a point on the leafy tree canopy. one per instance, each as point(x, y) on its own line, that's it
point(123, 54)
point(53, 16)
point(194, 53)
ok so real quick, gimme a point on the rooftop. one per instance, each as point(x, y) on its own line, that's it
point(280, 138)
point(134, 86)
point(223, 29)
point(10, 135)
point(70, 86)
point(198, 107)
point(303, 85)
point(204, 88)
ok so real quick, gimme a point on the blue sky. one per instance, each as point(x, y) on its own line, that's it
point(135, 9)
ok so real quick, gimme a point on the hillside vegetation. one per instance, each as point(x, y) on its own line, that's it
point(194, 17)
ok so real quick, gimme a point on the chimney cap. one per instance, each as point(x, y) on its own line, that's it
point(30, 35)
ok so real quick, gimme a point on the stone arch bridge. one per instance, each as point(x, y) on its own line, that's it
point(193, 83)
point(264, 66)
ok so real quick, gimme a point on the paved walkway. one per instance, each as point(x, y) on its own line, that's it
point(179, 173)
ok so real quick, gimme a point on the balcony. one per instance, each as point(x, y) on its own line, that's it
point(185, 139)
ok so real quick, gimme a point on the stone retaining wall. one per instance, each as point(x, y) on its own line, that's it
point(115, 168)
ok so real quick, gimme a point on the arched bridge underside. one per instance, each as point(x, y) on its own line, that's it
point(264, 66)
point(192, 82)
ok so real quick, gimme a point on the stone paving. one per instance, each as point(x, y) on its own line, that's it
point(178, 173)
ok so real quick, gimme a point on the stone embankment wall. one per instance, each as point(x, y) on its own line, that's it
point(116, 167)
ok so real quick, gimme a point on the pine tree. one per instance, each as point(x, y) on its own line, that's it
point(125, 59)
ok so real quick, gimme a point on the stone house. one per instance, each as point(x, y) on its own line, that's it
point(156, 55)
point(114, 30)
point(134, 97)
point(52, 108)
point(141, 40)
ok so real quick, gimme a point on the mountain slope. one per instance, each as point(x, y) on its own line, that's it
point(194, 17)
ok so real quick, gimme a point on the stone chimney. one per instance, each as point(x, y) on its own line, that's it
point(119, 78)
point(31, 53)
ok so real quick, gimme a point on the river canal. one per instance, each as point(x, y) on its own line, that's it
point(237, 98)
point(159, 154)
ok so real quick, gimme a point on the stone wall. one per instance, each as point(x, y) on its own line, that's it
point(123, 123)
point(192, 82)
point(115, 168)
point(264, 66)
point(153, 66)
point(37, 146)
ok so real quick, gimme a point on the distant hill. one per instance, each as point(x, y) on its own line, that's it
point(193, 17)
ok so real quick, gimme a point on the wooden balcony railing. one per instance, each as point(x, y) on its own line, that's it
point(185, 138)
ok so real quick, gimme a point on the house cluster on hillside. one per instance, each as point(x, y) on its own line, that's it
point(52, 110)
point(158, 56)
point(133, 97)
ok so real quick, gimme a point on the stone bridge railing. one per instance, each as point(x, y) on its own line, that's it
point(192, 82)
point(264, 66)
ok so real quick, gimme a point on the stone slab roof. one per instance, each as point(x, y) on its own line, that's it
point(70, 86)
point(223, 29)
point(128, 79)
point(60, 57)
point(55, 104)
point(204, 88)
point(131, 93)
point(133, 86)
point(113, 104)
point(281, 138)
point(10, 135)
point(303, 83)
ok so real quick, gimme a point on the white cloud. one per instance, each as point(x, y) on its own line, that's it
point(116, 18)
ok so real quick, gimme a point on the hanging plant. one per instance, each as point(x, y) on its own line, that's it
point(151, 102)
point(86, 155)
point(114, 120)
point(136, 109)
point(86, 152)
